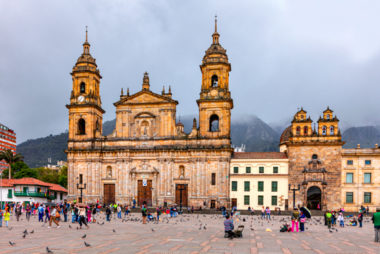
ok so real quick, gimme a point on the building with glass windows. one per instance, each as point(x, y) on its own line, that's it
point(7, 141)
point(259, 179)
point(361, 178)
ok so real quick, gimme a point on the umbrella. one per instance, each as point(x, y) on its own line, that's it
point(306, 211)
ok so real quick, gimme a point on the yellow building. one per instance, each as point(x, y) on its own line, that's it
point(149, 157)
point(361, 178)
point(259, 179)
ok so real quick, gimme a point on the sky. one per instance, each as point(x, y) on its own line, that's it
point(284, 55)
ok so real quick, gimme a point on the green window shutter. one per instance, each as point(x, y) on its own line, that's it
point(246, 186)
point(350, 162)
point(246, 200)
point(274, 200)
point(261, 170)
point(234, 185)
point(9, 193)
point(367, 197)
point(248, 170)
point(349, 197)
point(236, 170)
point(260, 200)
point(274, 186)
point(275, 170)
point(260, 186)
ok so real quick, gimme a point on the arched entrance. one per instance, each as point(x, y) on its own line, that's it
point(314, 198)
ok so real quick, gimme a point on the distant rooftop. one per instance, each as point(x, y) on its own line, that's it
point(259, 155)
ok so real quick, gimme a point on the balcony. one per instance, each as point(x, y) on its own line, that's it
point(33, 194)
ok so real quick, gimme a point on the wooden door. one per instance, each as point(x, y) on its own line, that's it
point(181, 194)
point(234, 202)
point(109, 194)
point(144, 192)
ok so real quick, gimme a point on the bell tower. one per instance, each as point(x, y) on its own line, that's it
point(215, 101)
point(85, 111)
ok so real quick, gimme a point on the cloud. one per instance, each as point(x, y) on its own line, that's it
point(284, 54)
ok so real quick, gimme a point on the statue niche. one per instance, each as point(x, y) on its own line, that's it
point(144, 125)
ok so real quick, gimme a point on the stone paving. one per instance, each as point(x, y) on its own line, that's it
point(185, 234)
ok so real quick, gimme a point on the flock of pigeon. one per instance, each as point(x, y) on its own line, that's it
point(253, 221)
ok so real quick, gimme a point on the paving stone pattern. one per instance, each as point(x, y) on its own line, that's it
point(185, 234)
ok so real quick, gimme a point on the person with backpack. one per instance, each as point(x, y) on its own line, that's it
point(376, 224)
point(360, 219)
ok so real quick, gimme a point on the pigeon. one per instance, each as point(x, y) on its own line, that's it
point(11, 243)
point(69, 226)
point(84, 236)
point(48, 250)
point(25, 232)
point(87, 244)
point(10, 228)
point(204, 227)
point(23, 236)
point(152, 230)
point(32, 231)
point(113, 230)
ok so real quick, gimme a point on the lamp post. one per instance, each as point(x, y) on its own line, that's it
point(294, 189)
point(81, 186)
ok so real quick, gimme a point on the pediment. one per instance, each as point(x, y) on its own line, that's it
point(145, 97)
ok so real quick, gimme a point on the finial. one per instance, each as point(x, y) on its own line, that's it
point(146, 81)
point(170, 90)
point(86, 34)
point(122, 92)
point(163, 90)
point(216, 23)
point(128, 91)
point(194, 123)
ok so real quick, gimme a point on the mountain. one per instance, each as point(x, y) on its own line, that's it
point(366, 136)
point(251, 131)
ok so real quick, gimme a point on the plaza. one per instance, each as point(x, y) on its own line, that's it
point(188, 233)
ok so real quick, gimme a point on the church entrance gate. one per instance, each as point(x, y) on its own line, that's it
point(109, 194)
point(144, 192)
point(314, 198)
point(181, 194)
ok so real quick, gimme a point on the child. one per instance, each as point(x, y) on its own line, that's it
point(7, 216)
point(341, 220)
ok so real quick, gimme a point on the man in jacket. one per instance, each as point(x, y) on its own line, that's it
point(229, 226)
point(376, 223)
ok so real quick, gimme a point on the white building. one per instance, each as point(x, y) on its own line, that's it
point(30, 190)
point(259, 179)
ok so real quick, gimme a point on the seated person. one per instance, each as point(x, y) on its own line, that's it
point(229, 226)
point(150, 217)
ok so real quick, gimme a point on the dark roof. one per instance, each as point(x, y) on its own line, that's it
point(259, 155)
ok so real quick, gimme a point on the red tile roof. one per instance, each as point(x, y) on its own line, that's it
point(31, 181)
point(259, 155)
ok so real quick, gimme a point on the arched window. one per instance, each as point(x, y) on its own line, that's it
point(81, 126)
point(328, 117)
point(331, 130)
point(214, 123)
point(109, 172)
point(82, 87)
point(305, 130)
point(97, 126)
point(324, 130)
point(214, 81)
point(298, 130)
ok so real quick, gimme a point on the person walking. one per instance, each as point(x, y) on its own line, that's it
point(295, 218)
point(40, 213)
point(108, 213)
point(18, 212)
point(267, 211)
point(47, 213)
point(54, 216)
point(360, 219)
point(82, 220)
point(28, 211)
point(144, 214)
point(88, 212)
point(7, 217)
point(1, 217)
point(263, 213)
point(158, 213)
point(118, 212)
point(376, 224)
point(341, 220)
point(65, 210)
point(94, 214)
point(302, 221)
point(328, 219)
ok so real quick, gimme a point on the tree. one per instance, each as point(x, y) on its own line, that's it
point(10, 158)
point(28, 172)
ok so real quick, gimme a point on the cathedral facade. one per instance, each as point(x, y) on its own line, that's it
point(149, 157)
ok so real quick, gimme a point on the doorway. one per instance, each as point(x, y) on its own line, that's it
point(234, 202)
point(144, 192)
point(109, 194)
point(181, 194)
point(314, 198)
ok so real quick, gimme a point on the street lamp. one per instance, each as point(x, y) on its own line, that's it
point(294, 189)
point(81, 186)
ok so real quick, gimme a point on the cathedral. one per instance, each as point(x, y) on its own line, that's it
point(148, 157)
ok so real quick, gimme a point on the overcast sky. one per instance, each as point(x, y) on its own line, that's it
point(284, 54)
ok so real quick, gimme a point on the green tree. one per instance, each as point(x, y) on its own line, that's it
point(62, 178)
point(10, 158)
point(27, 172)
